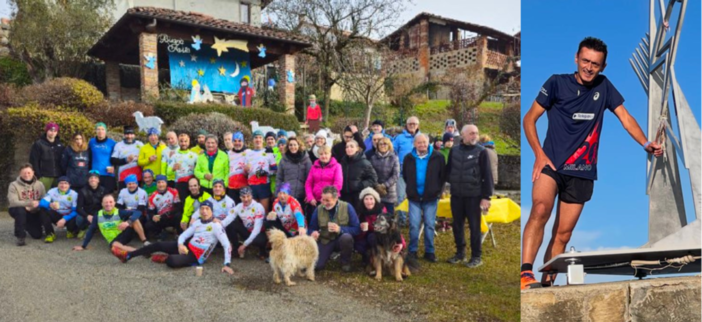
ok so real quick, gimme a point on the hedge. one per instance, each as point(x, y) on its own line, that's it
point(67, 92)
point(14, 72)
point(29, 121)
point(170, 112)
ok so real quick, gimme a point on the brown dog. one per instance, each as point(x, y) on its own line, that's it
point(382, 255)
point(290, 255)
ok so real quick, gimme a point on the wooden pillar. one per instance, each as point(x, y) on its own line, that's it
point(149, 76)
point(286, 89)
point(112, 80)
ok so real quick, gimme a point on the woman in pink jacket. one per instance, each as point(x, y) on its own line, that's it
point(324, 172)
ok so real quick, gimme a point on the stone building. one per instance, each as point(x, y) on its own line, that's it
point(429, 46)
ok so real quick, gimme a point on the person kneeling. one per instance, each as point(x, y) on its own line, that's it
point(117, 226)
point(163, 209)
point(248, 224)
point(287, 214)
point(205, 234)
point(59, 207)
point(334, 224)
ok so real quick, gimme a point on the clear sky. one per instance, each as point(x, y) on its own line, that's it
point(617, 215)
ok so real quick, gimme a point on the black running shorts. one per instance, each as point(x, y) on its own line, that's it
point(570, 189)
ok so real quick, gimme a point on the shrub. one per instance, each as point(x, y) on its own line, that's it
point(29, 121)
point(68, 92)
point(119, 114)
point(8, 95)
point(509, 121)
point(214, 123)
point(171, 112)
point(347, 108)
point(14, 72)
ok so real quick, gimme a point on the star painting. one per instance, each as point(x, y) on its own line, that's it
point(223, 45)
point(261, 51)
point(201, 72)
point(243, 64)
point(182, 63)
point(193, 58)
point(222, 71)
point(197, 41)
point(212, 60)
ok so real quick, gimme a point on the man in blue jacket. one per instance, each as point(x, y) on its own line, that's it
point(59, 207)
point(377, 127)
point(403, 145)
point(334, 224)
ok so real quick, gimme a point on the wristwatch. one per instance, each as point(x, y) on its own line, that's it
point(646, 145)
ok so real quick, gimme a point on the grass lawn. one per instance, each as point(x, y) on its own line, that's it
point(445, 292)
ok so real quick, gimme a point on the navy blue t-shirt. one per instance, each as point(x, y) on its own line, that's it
point(575, 113)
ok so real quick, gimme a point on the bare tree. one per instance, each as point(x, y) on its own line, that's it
point(333, 26)
point(364, 74)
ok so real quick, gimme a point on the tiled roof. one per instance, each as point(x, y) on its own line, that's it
point(204, 21)
point(487, 31)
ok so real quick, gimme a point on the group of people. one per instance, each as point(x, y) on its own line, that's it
point(231, 194)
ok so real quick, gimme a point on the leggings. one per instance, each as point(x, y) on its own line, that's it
point(50, 217)
point(240, 234)
point(174, 260)
point(152, 227)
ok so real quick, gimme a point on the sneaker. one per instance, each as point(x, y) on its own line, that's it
point(458, 258)
point(159, 258)
point(120, 254)
point(50, 238)
point(70, 234)
point(430, 257)
point(21, 242)
point(147, 243)
point(528, 280)
point(474, 262)
point(81, 234)
point(346, 268)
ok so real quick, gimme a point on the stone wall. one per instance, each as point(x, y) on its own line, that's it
point(4, 37)
point(508, 172)
point(658, 299)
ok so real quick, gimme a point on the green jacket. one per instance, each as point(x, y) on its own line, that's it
point(445, 153)
point(220, 168)
point(190, 205)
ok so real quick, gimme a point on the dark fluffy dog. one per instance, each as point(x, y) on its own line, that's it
point(387, 236)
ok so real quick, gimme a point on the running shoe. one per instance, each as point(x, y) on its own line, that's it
point(528, 280)
point(120, 254)
point(458, 258)
point(159, 258)
point(474, 262)
point(70, 234)
point(50, 238)
point(81, 234)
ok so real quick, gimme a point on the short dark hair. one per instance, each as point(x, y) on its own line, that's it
point(25, 166)
point(108, 195)
point(595, 44)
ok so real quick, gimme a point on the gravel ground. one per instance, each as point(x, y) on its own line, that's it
point(49, 282)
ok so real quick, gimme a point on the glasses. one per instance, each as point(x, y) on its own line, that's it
point(94, 172)
point(412, 123)
point(382, 144)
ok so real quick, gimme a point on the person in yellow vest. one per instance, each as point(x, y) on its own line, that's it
point(199, 147)
point(150, 154)
point(334, 225)
point(192, 202)
point(211, 165)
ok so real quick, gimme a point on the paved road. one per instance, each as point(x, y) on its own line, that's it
point(49, 282)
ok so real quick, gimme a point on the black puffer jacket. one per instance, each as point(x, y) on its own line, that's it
point(358, 174)
point(339, 149)
point(76, 166)
point(45, 157)
point(90, 200)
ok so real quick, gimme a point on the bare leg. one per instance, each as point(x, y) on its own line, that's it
point(139, 229)
point(543, 197)
point(567, 217)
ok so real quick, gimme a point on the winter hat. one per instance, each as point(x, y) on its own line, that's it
point(238, 136)
point(51, 126)
point(161, 177)
point(63, 178)
point(270, 134)
point(245, 191)
point(132, 178)
point(321, 133)
point(450, 122)
point(100, 124)
point(379, 122)
point(202, 132)
point(369, 191)
point(283, 133)
point(128, 130)
point(218, 181)
point(284, 187)
point(282, 141)
point(153, 131)
point(206, 203)
point(257, 133)
point(447, 137)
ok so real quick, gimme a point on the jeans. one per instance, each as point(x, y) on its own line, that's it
point(401, 194)
point(417, 211)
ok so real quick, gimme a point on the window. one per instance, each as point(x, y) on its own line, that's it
point(245, 13)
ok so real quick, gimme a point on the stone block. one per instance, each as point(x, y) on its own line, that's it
point(583, 303)
point(666, 299)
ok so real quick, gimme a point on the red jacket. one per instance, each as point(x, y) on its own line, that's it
point(249, 93)
point(314, 112)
